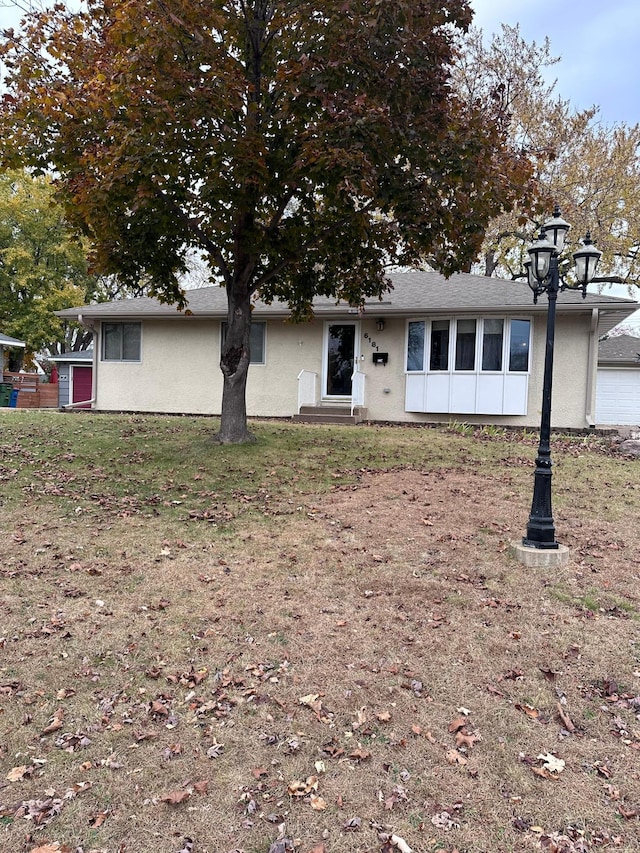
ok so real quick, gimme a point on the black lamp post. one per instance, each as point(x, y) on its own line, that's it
point(544, 277)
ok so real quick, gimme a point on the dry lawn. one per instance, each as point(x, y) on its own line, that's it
point(362, 669)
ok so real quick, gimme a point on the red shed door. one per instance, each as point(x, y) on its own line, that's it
point(82, 380)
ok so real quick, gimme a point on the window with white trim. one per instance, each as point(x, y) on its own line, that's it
point(474, 365)
point(121, 341)
point(469, 344)
point(257, 337)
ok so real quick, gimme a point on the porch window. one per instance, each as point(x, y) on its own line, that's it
point(519, 345)
point(121, 341)
point(465, 345)
point(256, 341)
point(492, 344)
point(415, 346)
point(439, 358)
point(465, 365)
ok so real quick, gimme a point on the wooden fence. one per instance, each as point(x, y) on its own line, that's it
point(33, 392)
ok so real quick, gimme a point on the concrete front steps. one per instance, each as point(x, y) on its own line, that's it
point(330, 415)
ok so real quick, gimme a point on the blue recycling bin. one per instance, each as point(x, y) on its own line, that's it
point(13, 402)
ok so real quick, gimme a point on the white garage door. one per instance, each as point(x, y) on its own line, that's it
point(618, 396)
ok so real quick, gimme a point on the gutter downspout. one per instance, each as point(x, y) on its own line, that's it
point(592, 366)
point(82, 403)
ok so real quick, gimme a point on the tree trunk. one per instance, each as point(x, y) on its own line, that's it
point(234, 364)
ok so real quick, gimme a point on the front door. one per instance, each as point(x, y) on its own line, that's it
point(340, 358)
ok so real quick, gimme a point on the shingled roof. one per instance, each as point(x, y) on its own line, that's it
point(623, 349)
point(412, 293)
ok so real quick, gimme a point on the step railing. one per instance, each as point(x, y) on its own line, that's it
point(307, 389)
point(357, 389)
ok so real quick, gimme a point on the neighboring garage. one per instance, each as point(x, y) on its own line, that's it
point(618, 384)
point(75, 378)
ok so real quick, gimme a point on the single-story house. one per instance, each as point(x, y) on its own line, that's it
point(618, 386)
point(75, 378)
point(433, 349)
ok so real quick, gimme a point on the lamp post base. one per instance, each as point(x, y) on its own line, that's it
point(540, 557)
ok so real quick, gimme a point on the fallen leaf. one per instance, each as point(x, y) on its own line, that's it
point(458, 723)
point(454, 757)
point(383, 717)
point(529, 710)
point(57, 721)
point(627, 814)
point(359, 754)
point(18, 773)
point(175, 797)
point(298, 788)
point(552, 763)
point(53, 847)
point(318, 804)
point(467, 740)
point(400, 843)
point(201, 787)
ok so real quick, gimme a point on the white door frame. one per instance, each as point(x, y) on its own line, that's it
point(325, 356)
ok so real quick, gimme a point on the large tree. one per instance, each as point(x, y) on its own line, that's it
point(590, 169)
point(300, 146)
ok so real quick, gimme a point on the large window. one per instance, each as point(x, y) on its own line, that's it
point(121, 341)
point(256, 342)
point(468, 365)
point(478, 345)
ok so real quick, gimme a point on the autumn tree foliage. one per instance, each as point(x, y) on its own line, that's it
point(590, 169)
point(43, 268)
point(300, 147)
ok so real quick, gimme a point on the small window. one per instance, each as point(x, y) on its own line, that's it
point(256, 342)
point(439, 355)
point(121, 341)
point(466, 345)
point(519, 345)
point(492, 345)
point(415, 346)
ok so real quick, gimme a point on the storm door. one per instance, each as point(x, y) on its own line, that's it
point(339, 359)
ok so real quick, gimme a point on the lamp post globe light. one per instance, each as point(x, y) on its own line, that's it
point(543, 273)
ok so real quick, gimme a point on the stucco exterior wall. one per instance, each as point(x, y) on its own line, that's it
point(179, 371)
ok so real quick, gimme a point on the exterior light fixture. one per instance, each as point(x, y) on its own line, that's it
point(380, 325)
point(543, 276)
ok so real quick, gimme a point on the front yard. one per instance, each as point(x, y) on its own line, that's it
point(320, 642)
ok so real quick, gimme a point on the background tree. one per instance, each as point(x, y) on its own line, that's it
point(42, 267)
point(300, 147)
point(592, 171)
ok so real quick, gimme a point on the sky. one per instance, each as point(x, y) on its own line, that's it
point(597, 43)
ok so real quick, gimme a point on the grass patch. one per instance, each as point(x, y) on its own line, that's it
point(321, 636)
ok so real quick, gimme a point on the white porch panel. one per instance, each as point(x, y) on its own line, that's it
point(470, 394)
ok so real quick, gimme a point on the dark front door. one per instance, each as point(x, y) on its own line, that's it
point(340, 358)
